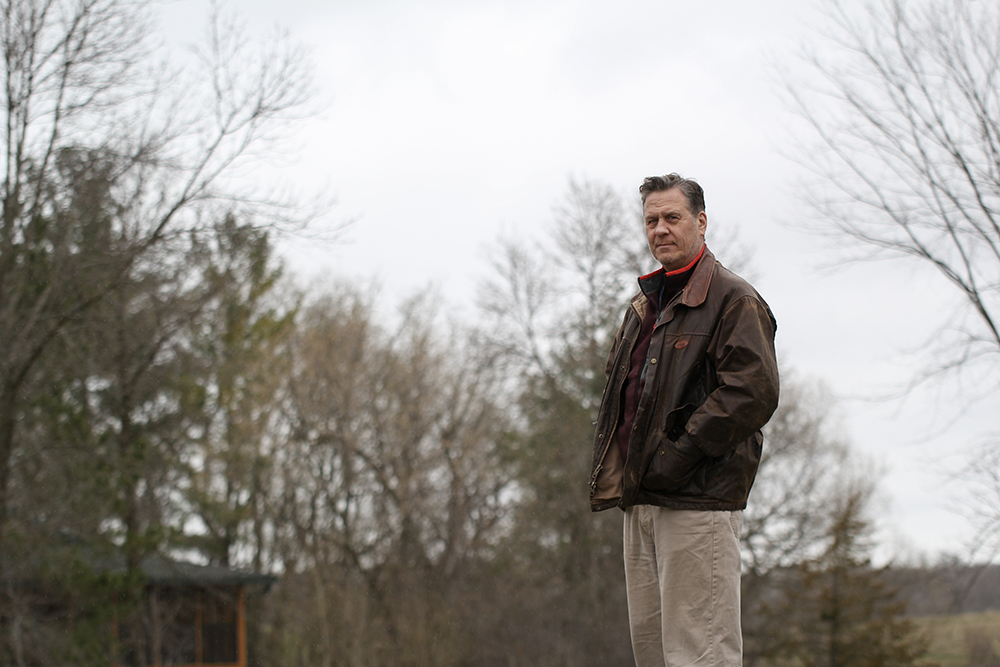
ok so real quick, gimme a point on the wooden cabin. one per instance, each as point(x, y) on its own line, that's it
point(192, 615)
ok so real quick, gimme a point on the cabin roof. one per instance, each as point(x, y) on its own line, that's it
point(161, 571)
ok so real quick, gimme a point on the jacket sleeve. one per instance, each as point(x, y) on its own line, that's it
point(747, 373)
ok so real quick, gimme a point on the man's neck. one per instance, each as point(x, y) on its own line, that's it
point(689, 266)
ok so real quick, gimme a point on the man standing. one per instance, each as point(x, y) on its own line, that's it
point(692, 378)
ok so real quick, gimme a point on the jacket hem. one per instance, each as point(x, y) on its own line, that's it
point(693, 505)
point(604, 505)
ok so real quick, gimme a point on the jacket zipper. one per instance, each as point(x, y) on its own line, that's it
point(593, 478)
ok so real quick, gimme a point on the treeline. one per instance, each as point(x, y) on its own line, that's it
point(417, 482)
point(947, 588)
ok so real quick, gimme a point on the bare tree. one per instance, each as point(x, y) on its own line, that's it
point(902, 115)
point(585, 267)
point(389, 485)
point(806, 466)
point(552, 310)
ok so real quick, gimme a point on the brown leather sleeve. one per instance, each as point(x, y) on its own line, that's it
point(743, 354)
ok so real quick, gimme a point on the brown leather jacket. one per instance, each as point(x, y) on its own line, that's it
point(711, 385)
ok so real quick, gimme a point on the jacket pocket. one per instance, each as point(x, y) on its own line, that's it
point(673, 465)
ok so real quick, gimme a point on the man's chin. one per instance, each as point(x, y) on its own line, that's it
point(671, 263)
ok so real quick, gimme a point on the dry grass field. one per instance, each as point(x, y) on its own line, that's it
point(963, 640)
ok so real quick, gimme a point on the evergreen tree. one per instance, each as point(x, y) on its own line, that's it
point(234, 366)
point(839, 611)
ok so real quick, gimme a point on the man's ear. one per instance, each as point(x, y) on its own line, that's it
point(702, 222)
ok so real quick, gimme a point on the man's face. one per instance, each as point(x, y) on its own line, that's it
point(675, 236)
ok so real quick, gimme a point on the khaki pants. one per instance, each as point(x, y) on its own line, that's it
point(682, 572)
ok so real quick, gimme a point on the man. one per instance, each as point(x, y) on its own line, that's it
point(692, 378)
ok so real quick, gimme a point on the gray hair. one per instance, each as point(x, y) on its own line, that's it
point(689, 187)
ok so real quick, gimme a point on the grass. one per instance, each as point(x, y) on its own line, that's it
point(963, 640)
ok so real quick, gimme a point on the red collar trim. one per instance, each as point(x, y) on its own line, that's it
point(688, 267)
point(676, 271)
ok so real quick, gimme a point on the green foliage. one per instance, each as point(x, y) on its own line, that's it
point(108, 424)
point(100, 306)
point(65, 596)
point(233, 368)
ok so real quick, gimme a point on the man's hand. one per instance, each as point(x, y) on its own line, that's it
point(673, 464)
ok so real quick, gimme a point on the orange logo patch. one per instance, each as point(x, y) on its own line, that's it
point(681, 344)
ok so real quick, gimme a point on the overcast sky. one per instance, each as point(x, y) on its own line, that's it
point(445, 122)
